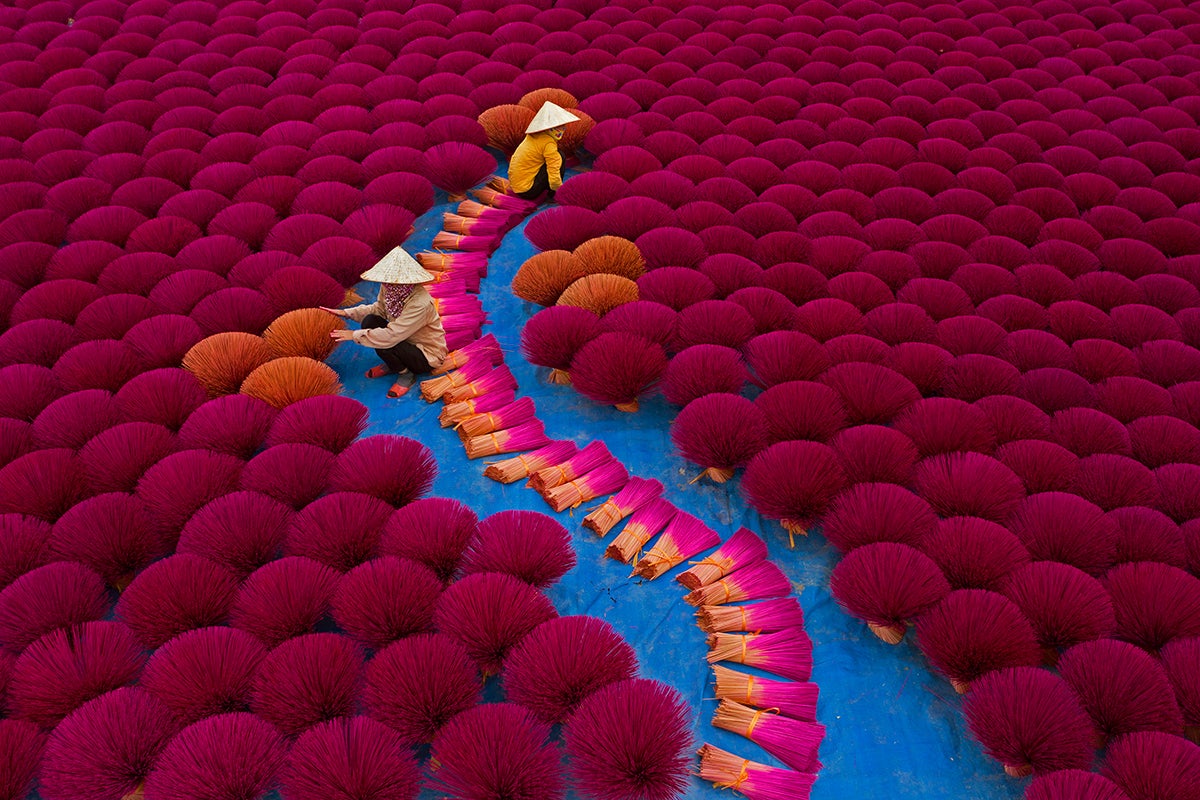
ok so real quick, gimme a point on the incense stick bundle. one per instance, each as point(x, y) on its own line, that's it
point(685, 537)
point(600, 481)
point(765, 617)
point(497, 199)
point(440, 262)
point(467, 244)
point(793, 742)
point(742, 549)
point(448, 288)
point(528, 436)
point(466, 321)
point(454, 413)
point(641, 528)
point(787, 653)
point(469, 277)
point(499, 184)
point(584, 461)
point(498, 379)
point(633, 496)
point(471, 208)
point(436, 388)
point(759, 581)
point(474, 226)
point(458, 304)
point(795, 699)
point(483, 349)
point(509, 416)
point(513, 469)
point(755, 781)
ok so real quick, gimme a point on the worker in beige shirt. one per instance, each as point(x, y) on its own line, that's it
point(402, 325)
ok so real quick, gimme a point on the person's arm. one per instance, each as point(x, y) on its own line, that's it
point(357, 313)
point(414, 317)
point(553, 165)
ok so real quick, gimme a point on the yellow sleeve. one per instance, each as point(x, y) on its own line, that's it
point(553, 165)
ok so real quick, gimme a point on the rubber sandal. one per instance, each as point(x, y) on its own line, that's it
point(378, 372)
point(398, 390)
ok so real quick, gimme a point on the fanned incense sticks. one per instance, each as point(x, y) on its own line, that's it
point(485, 348)
point(765, 617)
point(755, 781)
point(467, 244)
point(636, 493)
point(787, 653)
point(740, 550)
point(760, 581)
point(528, 436)
point(509, 416)
point(793, 742)
point(603, 480)
point(513, 469)
point(795, 699)
point(685, 537)
point(641, 528)
point(499, 378)
point(454, 413)
point(436, 388)
point(590, 457)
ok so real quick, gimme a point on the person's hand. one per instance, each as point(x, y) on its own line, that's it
point(337, 312)
point(341, 335)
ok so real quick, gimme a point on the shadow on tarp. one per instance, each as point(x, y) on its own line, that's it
point(894, 730)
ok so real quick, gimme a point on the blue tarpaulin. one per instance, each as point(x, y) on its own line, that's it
point(894, 729)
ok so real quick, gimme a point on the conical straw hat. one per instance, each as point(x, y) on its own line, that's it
point(397, 267)
point(550, 116)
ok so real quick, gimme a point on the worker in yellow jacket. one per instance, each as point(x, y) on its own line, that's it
point(536, 165)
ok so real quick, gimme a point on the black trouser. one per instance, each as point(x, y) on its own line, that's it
point(404, 356)
point(541, 184)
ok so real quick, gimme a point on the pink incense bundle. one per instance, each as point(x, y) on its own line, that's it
point(522, 466)
point(683, 538)
point(436, 388)
point(475, 226)
point(587, 459)
point(496, 199)
point(527, 436)
point(483, 349)
point(641, 528)
point(605, 479)
point(508, 416)
point(793, 742)
point(750, 779)
point(787, 653)
point(467, 244)
point(768, 616)
point(742, 549)
point(498, 379)
point(453, 413)
point(759, 581)
point(457, 305)
point(475, 263)
point(635, 494)
point(795, 699)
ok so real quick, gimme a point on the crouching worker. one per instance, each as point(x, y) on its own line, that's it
point(536, 165)
point(402, 327)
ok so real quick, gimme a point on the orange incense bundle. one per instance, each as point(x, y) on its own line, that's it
point(761, 580)
point(795, 699)
point(765, 617)
point(454, 413)
point(509, 416)
point(633, 496)
point(602, 480)
point(470, 208)
point(742, 549)
point(645, 523)
point(754, 781)
point(529, 436)
point(787, 653)
point(497, 379)
point(793, 742)
point(683, 538)
point(436, 388)
point(584, 461)
point(499, 184)
point(482, 349)
point(513, 469)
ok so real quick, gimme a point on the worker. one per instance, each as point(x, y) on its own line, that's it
point(536, 165)
point(402, 325)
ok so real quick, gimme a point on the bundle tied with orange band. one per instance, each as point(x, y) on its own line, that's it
point(684, 537)
point(635, 494)
point(436, 388)
point(643, 526)
point(742, 549)
point(498, 379)
point(467, 244)
point(587, 459)
point(514, 469)
point(508, 416)
point(793, 742)
point(787, 653)
point(462, 262)
point(604, 479)
point(755, 781)
point(454, 413)
point(762, 580)
point(527, 436)
point(483, 349)
point(795, 699)
point(768, 616)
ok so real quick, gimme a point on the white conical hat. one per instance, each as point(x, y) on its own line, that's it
point(550, 116)
point(398, 267)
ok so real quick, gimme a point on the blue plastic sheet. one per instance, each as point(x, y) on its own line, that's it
point(894, 730)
